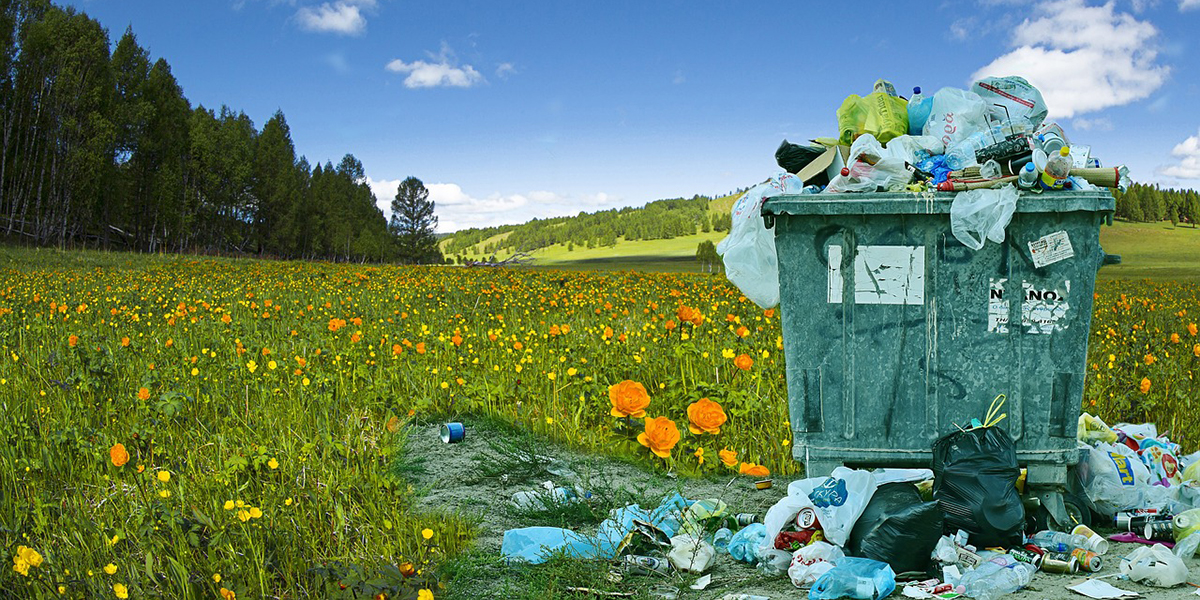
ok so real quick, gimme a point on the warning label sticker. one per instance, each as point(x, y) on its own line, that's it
point(997, 307)
point(1042, 309)
point(1051, 248)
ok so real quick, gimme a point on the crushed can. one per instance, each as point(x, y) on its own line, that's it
point(645, 565)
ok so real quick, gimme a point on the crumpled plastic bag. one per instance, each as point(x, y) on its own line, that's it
point(749, 249)
point(1160, 459)
point(743, 547)
point(907, 147)
point(1154, 565)
point(1011, 98)
point(980, 215)
point(701, 511)
point(897, 528)
point(871, 168)
point(859, 578)
point(956, 115)
point(878, 114)
point(812, 561)
point(838, 501)
point(1118, 477)
point(536, 544)
point(794, 157)
point(1091, 429)
point(690, 553)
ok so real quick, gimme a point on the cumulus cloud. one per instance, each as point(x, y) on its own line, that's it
point(1083, 58)
point(503, 70)
point(1188, 153)
point(1095, 124)
point(441, 71)
point(1188, 5)
point(344, 17)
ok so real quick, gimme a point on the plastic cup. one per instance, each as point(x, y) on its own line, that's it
point(1098, 544)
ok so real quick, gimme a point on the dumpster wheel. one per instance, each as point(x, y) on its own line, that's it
point(1077, 511)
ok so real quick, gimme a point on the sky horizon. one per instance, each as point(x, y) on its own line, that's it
point(545, 109)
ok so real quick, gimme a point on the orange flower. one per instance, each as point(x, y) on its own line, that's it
point(629, 399)
point(705, 416)
point(72, 340)
point(397, 349)
point(226, 319)
point(608, 332)
point(743, 362)
point(554, 330)
point(1144, 387)
point(1149, 358)
point(1174, 338)
point(407, 569)
point(143, 394)
point(660, 436)
point(420, 347)
point(729, 457)
point(457, 340)
point(689, 315)
point(669, 325)
point(742, 331)
point(1196, 349)
point(118, 455)
point(125, 342)
point(770, 312)
point(753, 470)
point(1191, 328)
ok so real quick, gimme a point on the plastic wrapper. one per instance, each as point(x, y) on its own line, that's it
point(897, 528)
point(1160, 460)
point(859, 578)
point(871, 168)
point(878, 114)
point(690, 553)
point(838, 501)
point(812, 561)
point(975, 475)
point(1092, 429)
point(980, 215)
point(1009, 98)
point(956, 115)
point(794, 157)
point(1154, 565)
point(749, 250)
point(535, 544)
point(743, 547)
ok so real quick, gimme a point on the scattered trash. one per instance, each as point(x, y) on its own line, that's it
point(812, 561)
point(1101, 590)
point(645, 565)
point(702, 582)
point(690, 553)
point(1154, 565)
point(898, 528)
point(664, 591)
point(583, 590)
point(749, 250)
point(743, 597)
point(541, 500)
point(1134, 538)
point(453, 433)
point(859, 578)
point(763, 484)
point(996, 577)
point(744, 545)
point(980, 215)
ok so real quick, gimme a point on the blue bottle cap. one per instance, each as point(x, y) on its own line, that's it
point(917, 89)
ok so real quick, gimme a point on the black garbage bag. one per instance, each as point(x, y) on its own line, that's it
point(974, 481)
point(897, 528)
point(793, 157)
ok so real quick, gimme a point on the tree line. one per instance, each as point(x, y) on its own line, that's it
point(1145, 203)
point(102, 149)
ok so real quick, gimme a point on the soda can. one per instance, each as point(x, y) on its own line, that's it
point(1026, 556)
point(1135, 520)
point(453, 433)
point(762, 484)
point(645, 565)
point(806, 518)
point(1057, 562)
point(1088, 561)
point(1034, 549)
point(744, 519)
point(1159, 531)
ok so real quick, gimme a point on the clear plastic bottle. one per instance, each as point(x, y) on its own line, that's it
point(721, 538)
point(542, 500)
point(991, 580)
point(1052, 539)
point(962, 154)
point(1027, 178)
point(1054, 177)
point(919, 107)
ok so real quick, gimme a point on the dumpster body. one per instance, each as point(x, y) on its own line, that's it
point(895, 333)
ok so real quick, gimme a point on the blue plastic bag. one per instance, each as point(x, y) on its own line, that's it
point(743, 546)
point(859, 578)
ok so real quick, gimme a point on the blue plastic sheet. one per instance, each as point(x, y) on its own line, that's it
point(536, 544)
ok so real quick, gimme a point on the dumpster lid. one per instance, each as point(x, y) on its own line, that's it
point(929, 203)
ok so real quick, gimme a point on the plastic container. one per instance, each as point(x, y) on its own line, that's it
point(919, 107)
point(542, 500)
point(1028, 177)
point(1059, 541)
point(721, 538)
point(990, 580)
point(1058, 167)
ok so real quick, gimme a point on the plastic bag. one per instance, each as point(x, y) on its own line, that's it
point(860, 578)
point(871, 168)
point(980, 215)
point(812, 561)
point(690, 553)
point(878, 114)
point(744, 545)
point(956, 115)
point(1117, 476)
point(1154, 565)
point(536, 544)
point(838, 501)
point(794, 157)
point(749, 249)
point(897, 528)
point(975, 475)
point(907, 148)
point(1160, 459)
point(1092, 429)
point(1011, 98)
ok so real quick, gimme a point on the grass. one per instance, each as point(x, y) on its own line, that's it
point(1155, 251)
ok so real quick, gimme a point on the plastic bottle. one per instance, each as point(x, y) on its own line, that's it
point(919, 107)
point(558, 496)
point(1027, 178)
point(990, 580)
point(962, 154)
point(721, 538)
point(1053, 539)
point(1054, 176)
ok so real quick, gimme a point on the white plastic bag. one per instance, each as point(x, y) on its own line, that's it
point(1118, 477)
point(749, 249)
point(979, 215)
point(690, 553)
point(838, 499)
point(956, 115)
point(1011, 98)
point(812, 561)
point(1154, 565)
point(877, 169)
point(906, 147)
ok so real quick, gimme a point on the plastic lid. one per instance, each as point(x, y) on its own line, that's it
point(845, 172)
point(917, 89)
point(1029, 167)
point(1065, 151)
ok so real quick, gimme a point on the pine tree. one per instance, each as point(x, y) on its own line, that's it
point(413, 223)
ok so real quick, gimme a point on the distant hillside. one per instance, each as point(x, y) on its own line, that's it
point(598, 232)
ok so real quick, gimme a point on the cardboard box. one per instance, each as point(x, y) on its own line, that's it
point(830, 164)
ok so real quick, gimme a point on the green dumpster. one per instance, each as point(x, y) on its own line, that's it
point(895, 333)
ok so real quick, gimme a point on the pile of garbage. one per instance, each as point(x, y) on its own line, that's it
point(991, 144)
point(958, 529)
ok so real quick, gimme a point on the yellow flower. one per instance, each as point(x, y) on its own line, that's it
point(229, 505)
point(549, 421)
point(427, 533)
point(120, 590)
point(228, 594)
point(30, 556)
point(255, 512)
point(110, 568)
point(424, 594)
point(253, 366)
point(114, 540)
point(164, 493)
point(243, 515)
point(699, 454)
point(216, 578)
point(274, 464)
point(1144, 386)
point(288, 502)
point(272, 365)
point(164, 476)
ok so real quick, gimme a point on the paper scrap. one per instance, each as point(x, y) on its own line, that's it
point(702, 582)
point(1051, 248)
point(1102, 590)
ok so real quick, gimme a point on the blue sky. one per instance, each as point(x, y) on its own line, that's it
point(514, 110)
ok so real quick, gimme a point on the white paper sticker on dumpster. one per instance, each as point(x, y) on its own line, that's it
point(997, 307)
point(882, 275)
point(1042, 308)
point(1050, 249)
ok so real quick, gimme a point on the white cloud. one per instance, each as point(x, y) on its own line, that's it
point(385, 191)
point(442, 72)
point(1083, 58)
point(343, 17)
point(1188, 5)
point(503, 70)
point(963, 29)
point(1094, 124)
point(1188, 152)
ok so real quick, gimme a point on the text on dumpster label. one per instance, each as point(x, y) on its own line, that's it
point(882, 275)
point(1051, 248)
point(1042, 309)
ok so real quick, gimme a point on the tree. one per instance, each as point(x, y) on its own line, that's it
point(413, 223)
point(706, 254)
